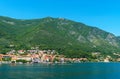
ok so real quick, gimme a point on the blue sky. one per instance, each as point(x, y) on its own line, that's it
point(104, 14)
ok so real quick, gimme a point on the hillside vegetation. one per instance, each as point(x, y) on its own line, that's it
point(73, 39)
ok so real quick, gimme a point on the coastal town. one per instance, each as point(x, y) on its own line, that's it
point(49, 56)
point(36, 56)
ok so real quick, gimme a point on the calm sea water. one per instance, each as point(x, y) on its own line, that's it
point(61, 71)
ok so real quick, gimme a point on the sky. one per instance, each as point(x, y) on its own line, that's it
point(104, 14)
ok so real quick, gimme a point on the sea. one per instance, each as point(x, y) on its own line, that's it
point(60, 71)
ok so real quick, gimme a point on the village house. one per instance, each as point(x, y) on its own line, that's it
point(27, 58)
point(106, 60)
point(21, 51)
point(13, 58)
point(118, 59)
point(47, 58)
point(35, 58)
point(6, 58)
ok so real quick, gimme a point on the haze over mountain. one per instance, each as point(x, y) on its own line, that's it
point(63, 35)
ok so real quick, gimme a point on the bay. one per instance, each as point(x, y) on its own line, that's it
point(60, 71)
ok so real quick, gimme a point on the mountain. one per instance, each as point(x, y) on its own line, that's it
point(68, 37)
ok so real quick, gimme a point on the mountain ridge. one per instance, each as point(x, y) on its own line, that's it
point(56, 33)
